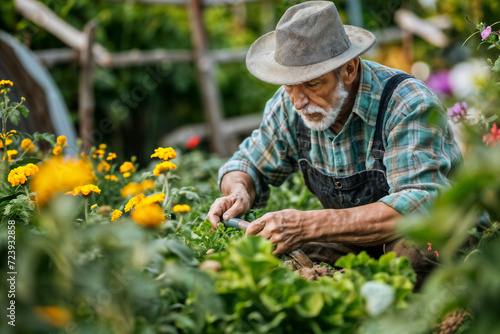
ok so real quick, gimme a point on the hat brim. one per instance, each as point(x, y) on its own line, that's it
point(260, 59)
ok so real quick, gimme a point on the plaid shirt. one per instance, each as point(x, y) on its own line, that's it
point(419, 147)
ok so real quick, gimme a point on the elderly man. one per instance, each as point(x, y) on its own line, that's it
point(372, 142)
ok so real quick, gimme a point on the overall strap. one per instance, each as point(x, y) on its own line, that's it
point(390, 86)
point(303, 136)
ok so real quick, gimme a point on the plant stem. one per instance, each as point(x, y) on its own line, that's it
point(27, 192)
point(86, 215)
point(165, 190)
point(179, 224)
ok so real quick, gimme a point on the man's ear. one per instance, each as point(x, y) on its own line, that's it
point(350, 71)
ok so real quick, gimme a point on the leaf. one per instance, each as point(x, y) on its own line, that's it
point(8, 198)
point(23, 110)
point(496, 67)
point(182, 251)
point(45, 136)
point(15, 116)
point(24, 161)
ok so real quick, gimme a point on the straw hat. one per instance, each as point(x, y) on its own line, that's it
point(309, 41)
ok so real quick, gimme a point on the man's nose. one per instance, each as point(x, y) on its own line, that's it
point(299, 98)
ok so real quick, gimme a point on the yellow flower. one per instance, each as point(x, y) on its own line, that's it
point(148, 185)
point(181, 208)
point(127, 174)
point(127, 166)
point(85, 191)
point(111, 156)
point(150, 215)
point(103, 166)
point(111, 178)
point(62, 140)
point(164, 166)
point(20, 174)
point(116, 214)
point(133, 201)
point(59, 175)
point(102, 146)
point(97, 153)
point(27, 145)
point(131, 189)
point(53, 315)
point(8, 141)
point(164, 153)
point(10, 154)
point(151, 200)
point(93, 207)
point(57, 150)
point(6, 82)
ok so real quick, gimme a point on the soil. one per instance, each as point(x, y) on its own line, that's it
point(317, 271)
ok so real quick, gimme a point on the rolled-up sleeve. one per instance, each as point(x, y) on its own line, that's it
point(267, 155)
point(420, 150)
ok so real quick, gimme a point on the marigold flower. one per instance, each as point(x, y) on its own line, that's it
point(103, 166)
point(127, 166)
point(111, 178)
point(164, 166)
point(6, 82)
point(486, 32)
point(57, 150)
point(133, 201)
point(147, 185)
point(102, 146)
point(111, 156)
point(85, 191)
point(93, 207)
point(27, 145)
point(59, 175)
point(61, 141)
point(164, 153)
point(127, 174)
point(181, 208)
point(98, 153)
point(8, 141)
point(20, 174)
point(151, 215)
point(116, 214)
point(151, 199)
point(131, 189)
point(10, 154)
point(53, 315)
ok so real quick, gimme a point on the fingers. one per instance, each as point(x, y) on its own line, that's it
point(226, 207)
point(255, 228)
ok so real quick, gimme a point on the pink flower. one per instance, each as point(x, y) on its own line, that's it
point(486, 32)
point(458, 111)
point(493, 137)
point(430, 246)
point(437, 254)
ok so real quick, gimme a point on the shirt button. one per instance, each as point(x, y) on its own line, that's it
point(338, 144)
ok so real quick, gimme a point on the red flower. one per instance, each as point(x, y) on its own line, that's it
point(493, 137)
point(192, 142)
point(437, 254)
point(430, 246)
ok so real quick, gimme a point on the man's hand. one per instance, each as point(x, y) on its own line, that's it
point(238, 195)
point(286, 229)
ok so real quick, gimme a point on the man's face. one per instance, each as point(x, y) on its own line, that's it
point(318, 101)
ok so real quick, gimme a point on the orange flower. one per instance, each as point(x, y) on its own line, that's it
point(20, 174)
point(27, 145)
point(111, 156)
point(116, 214)
point(127, 166)
point(164, 153)
point(98, 153)
point(150, 215)
point(111, 178)
point(164, 166)
point(57, 150)
point(53, 315)
point(61, 141)
point(181, 208)
point(59, 175)
point(103, 166)
point(133, 201)
point(85, 191)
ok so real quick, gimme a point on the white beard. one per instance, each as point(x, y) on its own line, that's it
point(328, 116)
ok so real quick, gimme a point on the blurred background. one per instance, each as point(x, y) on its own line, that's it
point(138, 74)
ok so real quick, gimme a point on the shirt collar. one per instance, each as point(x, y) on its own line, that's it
point(368, 95)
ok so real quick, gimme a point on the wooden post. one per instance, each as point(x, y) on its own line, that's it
point(206, 76)
point(86, 86)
